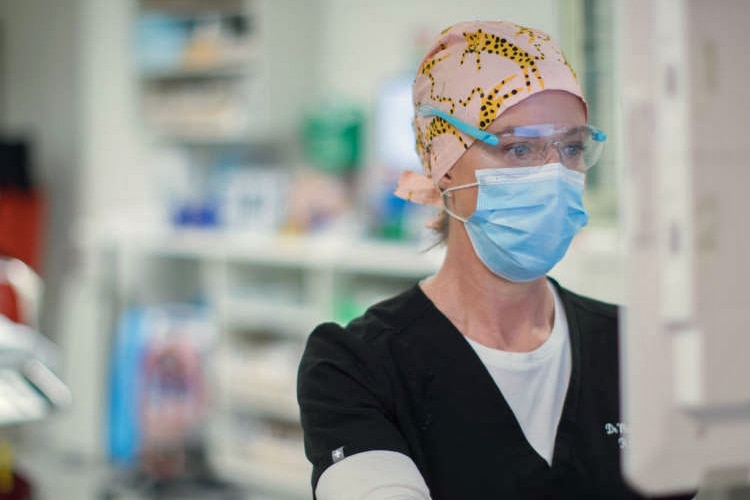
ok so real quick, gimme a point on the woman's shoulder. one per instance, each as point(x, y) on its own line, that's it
point(382, 323)
point(368, 350)
point(392, 316)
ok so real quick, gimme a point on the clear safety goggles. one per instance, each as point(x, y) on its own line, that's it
point(578, 148)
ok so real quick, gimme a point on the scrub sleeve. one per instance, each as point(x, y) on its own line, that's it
point(344, 392)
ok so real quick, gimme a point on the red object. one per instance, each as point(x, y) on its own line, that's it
point(21, 489)
point(21, 226)
point(9, 306)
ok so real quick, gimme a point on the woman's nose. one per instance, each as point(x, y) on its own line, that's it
point(551, 154)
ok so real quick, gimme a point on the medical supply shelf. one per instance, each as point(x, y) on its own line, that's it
point(207, 72)
point(266, 292)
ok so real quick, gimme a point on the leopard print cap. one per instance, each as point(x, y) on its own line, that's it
point(475, 71)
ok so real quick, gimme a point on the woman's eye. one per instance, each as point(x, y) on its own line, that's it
point(518, 150)
point(573, 150)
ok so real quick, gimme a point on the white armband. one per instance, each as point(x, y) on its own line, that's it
point(373, 475)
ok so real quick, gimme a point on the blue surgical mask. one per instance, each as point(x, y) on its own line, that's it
point(525, 218)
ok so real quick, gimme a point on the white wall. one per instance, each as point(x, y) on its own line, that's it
point(114, 173)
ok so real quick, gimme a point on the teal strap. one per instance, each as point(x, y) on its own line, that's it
point(464, 127)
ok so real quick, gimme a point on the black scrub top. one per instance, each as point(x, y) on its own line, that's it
point(403, 378)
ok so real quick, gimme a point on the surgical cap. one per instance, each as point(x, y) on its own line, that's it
point(475, 71)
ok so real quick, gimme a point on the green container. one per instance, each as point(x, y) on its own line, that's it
point(332, 138)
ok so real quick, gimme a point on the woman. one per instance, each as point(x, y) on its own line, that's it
point(488, 379)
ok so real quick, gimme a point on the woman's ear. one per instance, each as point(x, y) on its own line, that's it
point(445, 181)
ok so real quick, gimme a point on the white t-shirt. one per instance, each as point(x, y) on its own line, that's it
point(533, 384)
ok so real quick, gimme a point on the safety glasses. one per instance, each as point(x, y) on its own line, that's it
point(578, 148)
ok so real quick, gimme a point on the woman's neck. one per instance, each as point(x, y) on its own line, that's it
point(495, 312)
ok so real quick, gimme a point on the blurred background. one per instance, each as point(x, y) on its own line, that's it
point(191, 186)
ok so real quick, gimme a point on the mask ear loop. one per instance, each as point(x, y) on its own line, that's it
point(445, 192)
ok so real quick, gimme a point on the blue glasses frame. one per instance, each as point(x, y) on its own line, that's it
point(486, 137)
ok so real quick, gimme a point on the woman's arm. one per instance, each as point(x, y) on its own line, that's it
point(373, 475)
